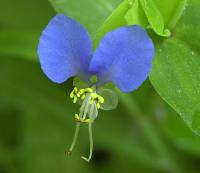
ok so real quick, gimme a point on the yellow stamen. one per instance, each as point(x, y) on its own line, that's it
point(82, 92)
point(96, 98)
point(76, 116)
point(81, 120)
point(88, 90)
point(88, 113)
point(87, 121)
point(75, 94)
point(75, 100)
point(98, 105)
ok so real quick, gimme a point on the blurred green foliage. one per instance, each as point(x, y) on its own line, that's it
point(36, 116)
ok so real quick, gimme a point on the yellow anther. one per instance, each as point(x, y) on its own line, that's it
point(75, 99)
point(74, 95)
point(88, 90)
point(96, 98)
point(81, 120)
point(87, 121)
point(77, 117)
point(83, 97)
point(82, 92)
point(98, 105)
point(100, 99)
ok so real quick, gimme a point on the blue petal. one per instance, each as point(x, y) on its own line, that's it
point(64, 49)
point(124, 57)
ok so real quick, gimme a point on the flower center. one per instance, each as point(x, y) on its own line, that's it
point(91, 102)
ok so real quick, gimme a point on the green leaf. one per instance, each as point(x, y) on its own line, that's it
point(21, 23)
point(176, 68)
point(154, 17)
point(146, 14)
point(171, 11)
point(135, 15)
point(116, 19)
point(132, 12)
point(155, 13)
point(19, 43)
point(180, 135)
point(24, 15)
point(91, 13)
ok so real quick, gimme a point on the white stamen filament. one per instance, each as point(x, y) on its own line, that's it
point(87, 105)
point(74, 138)
point(92, 112)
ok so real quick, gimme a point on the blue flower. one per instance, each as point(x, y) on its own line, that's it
point(123, 57)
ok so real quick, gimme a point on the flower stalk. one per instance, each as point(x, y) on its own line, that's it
point(88, 113)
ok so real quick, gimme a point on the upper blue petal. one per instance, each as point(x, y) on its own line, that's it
point(64, 49)
point(124, 56)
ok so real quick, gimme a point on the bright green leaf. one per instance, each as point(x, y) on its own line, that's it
point(154, 17)
point(131, 12)
point(176, 69)
point(135, 15)
point(171, 11)
point(91, 13)
point(116, 19)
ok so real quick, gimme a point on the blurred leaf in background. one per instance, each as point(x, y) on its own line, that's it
point(36, 116)
point(95, 12)
point(21, 23)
